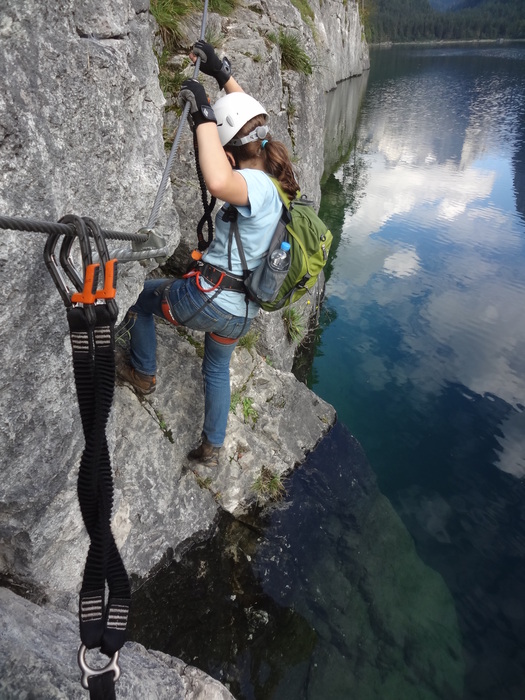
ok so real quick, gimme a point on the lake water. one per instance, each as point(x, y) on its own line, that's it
point(394, 568)
point(422, 341)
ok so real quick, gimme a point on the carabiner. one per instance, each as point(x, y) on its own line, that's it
point(87, 284)
point(54, 270)
point(85, 249)
point(88, 672)
point(89, 289)
point(66, 261)
point(109, 288)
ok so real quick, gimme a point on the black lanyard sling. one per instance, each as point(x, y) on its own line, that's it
point(92, 332)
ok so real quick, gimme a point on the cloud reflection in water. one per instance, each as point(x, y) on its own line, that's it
point(437, 243)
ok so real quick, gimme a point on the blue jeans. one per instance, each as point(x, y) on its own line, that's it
point(191, 308)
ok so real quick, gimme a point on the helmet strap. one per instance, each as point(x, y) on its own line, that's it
point(258, 134)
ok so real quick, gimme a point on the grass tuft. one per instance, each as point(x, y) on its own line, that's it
point(249, 341)
point(168, 14)
point(269, 485)
point(294, 322)
point(293, 56)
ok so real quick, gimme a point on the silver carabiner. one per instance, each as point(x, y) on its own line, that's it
point(88, 672)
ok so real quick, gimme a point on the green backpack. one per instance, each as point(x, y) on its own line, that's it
point(310, 242)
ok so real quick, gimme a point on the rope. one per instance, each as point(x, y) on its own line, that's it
point(206, 218)
point(153, 217)
point(94, 371)
point(101, 626)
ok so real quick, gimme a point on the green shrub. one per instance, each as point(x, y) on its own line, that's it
point(307, 14)
point(248, 411)
point(294, 322)
point(269, 485)
point(168, 14)
point(293, 57)
point(235, 401)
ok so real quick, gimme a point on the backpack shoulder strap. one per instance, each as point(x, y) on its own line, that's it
point(234, 233)
point(285, 197)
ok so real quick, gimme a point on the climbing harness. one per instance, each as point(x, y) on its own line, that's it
point(167, 309)
point(216, 277)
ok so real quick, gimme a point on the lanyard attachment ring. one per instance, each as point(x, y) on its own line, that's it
point(88, 672)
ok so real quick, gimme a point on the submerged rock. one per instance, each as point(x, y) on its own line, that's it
point(320, 596)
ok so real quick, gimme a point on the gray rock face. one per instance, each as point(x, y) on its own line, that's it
point(81, 132)
point(38, 649)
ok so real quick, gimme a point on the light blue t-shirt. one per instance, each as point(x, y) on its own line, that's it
point(257, 223)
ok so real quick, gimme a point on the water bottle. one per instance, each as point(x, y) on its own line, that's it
point(280, 258)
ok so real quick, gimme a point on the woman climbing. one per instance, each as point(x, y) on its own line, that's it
point(236, 157)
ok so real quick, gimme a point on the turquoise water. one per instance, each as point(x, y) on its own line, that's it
point(320, 596)
point(422, 341)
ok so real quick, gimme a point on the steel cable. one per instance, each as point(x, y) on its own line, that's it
point(32, 225)
point(50, 227)
point(122, 254)
point(153, 217)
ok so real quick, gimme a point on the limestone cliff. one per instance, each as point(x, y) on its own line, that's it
point(81, 132)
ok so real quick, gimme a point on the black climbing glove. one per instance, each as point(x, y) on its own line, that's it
point(211, 64)
point(200, 110)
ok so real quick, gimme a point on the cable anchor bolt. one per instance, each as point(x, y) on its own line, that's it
point(153, 241)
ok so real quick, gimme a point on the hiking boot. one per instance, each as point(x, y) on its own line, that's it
point(144, 383)
point(206, 454)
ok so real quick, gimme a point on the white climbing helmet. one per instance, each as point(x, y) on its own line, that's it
point(233, 111)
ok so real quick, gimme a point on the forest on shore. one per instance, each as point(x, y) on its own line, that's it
point(435, 20)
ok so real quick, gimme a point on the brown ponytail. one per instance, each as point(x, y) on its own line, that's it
point(275, 155)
